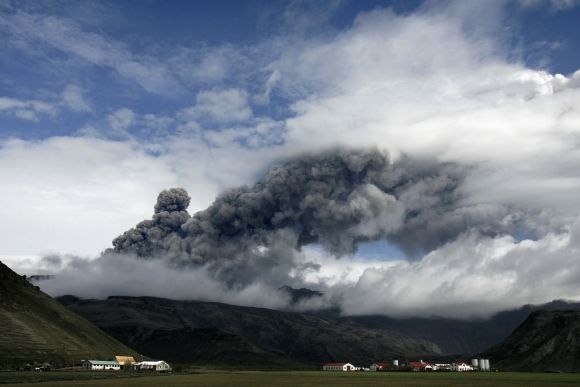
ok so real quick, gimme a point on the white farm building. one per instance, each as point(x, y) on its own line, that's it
point(461, 367)
point(159, 366)
point(102, 365)
point(338, 367)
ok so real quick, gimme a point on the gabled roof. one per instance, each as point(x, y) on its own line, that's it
point(419, 364)
point(336, 364)
point(151, 363)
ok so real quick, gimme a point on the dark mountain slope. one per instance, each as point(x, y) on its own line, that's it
point(36, 328)
point(461, 336)
point(546, 340)
point(180, 330)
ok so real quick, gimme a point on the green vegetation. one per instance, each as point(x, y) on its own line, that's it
point(306, 378)
point(37, 329)
point(29, 377)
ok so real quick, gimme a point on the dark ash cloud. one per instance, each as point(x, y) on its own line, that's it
point(337, 199)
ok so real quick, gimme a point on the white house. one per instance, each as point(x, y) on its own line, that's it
point(461, 367)
point(338, 367)
point(158, 365)
point(102, 365)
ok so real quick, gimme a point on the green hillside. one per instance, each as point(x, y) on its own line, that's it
point(35, 328)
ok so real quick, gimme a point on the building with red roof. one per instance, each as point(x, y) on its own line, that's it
point(420, 366)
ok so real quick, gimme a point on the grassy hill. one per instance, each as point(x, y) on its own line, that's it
point(34, 328)
point(545, 341)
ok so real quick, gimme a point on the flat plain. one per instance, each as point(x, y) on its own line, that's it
point(301, 379)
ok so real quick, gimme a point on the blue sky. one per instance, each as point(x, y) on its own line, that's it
point(149, 57)
point(103, 104)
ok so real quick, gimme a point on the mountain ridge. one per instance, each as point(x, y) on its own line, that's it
point(37, 329)
point(466, 337)
point(451, 337)
point(548, 340)
point(287, 336)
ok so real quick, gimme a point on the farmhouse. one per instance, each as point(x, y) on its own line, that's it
point(338, 367)
point(102, 365)
point(461, 367)
point(159, 366)
point(420, 366)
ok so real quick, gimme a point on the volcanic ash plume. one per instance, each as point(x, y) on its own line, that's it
point(337, 200)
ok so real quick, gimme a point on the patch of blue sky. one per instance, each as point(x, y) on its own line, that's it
point(344, 14)
point(380, 250)
point(549, 37)
point(30, 123)
point(212, 23)
point(256, 140)
point(156, 57)
point(522, 235)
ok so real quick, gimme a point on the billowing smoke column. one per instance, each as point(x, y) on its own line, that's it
point(337, 199)
point(161, 235)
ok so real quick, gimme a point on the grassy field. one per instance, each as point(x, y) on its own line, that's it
point(305, 378)
point(60, 377)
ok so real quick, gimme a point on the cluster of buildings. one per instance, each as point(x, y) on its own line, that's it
point(126, 363)
point(458, 366)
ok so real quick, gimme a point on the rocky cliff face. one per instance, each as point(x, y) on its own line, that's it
point(214, 333)
point(34, 328)
point(545, 341)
